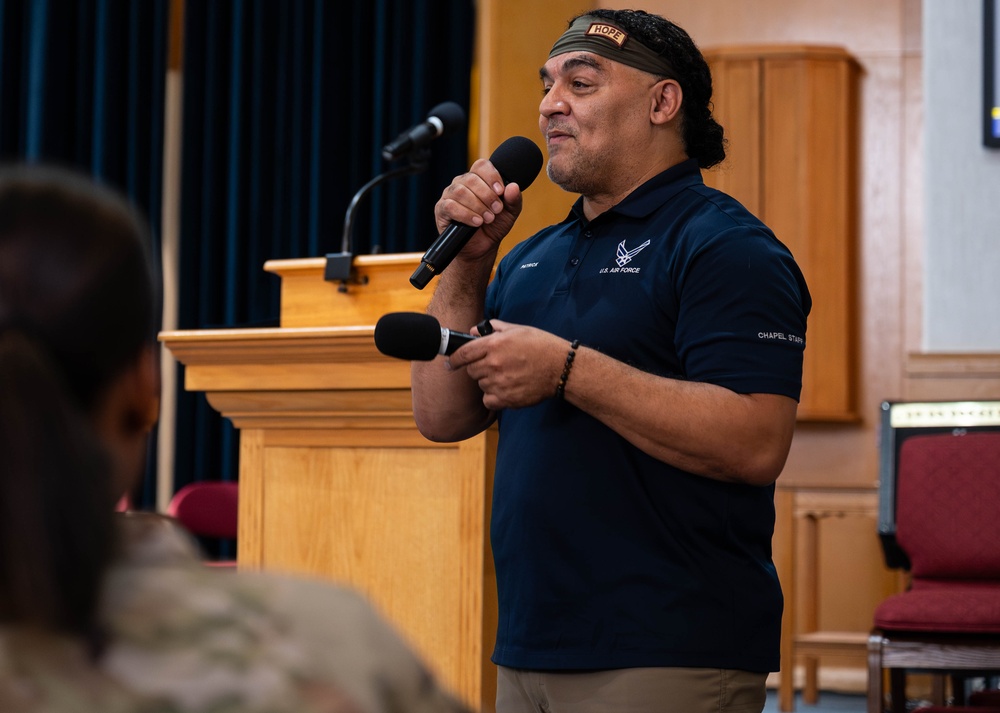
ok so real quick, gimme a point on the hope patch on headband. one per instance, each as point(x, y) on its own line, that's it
point(608, 32)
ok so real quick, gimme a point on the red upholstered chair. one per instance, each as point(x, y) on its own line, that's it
point(939, 518)
point(207, 509)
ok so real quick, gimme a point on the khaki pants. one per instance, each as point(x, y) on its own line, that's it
point(631, 690)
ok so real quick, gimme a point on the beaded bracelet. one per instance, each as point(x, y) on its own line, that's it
point(561, 388)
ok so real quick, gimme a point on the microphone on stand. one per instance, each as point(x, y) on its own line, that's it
point(442, 119)
point(416, 336)
point(412, 143)
point(518, 160)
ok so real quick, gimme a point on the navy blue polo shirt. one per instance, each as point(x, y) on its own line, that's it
point(605, 556)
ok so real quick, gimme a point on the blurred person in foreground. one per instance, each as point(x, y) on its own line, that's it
point(113, 613)
point(643, 361)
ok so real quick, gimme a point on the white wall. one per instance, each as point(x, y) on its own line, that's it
point(961, 186)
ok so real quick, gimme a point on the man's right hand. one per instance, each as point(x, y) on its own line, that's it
point(480, 198)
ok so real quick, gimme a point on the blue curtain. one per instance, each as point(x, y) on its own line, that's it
point(286, 108)
point(82, 86)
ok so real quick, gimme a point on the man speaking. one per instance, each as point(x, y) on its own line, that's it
point(644, 366)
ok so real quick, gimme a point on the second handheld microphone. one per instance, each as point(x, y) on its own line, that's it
point(415, 336)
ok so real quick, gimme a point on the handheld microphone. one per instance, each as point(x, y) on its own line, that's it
point(415, 336)
point(442, 119)
point(518, 160)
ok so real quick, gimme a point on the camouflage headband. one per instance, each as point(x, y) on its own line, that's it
point(594, 34)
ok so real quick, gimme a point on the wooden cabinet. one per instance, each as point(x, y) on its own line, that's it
point(790, 115)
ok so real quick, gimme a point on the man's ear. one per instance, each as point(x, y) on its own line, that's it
point(666, 101)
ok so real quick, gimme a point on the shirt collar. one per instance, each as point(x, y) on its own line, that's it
point(650, 195)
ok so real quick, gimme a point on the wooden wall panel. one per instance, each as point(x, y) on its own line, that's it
point(791, 114)
point(738, 79)
point(809, 183)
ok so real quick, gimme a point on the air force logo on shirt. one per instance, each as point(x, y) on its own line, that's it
point(623, 256)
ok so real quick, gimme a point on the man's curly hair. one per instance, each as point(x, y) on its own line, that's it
point(702, 134)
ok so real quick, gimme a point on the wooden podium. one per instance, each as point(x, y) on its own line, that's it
point(335, 480)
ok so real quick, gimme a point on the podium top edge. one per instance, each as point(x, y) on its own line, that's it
point(267, 334)
point(309, 264)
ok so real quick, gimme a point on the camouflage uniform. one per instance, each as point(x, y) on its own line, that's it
point(185, 638)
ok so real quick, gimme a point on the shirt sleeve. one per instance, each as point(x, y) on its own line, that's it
point(742, 318)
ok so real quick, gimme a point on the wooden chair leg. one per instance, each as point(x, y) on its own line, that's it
point(876, 675)
point(786, 689)
point(897, 690)
point(810, 693)
point(958, 689)
point(938, 696)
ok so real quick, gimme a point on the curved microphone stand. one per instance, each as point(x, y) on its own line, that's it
point(339, 265)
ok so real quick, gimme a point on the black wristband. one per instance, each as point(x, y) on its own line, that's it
point(570, 356)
